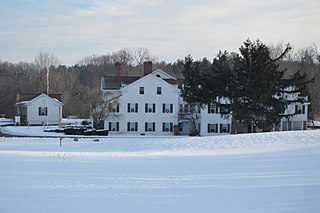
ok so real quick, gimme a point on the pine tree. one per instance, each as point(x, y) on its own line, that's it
point(248, 83)
point(262, 80)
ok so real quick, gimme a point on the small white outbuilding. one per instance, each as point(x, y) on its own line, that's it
point(39, 109)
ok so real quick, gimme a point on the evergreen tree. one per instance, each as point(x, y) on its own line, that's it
point(244, 84)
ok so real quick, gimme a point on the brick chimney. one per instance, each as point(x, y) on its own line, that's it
point(147, 67)
point(117, 67)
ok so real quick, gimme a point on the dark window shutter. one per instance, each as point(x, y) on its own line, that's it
point(128, 127)
point(128, 107)
point(146, 108)
point(146, 127)
point(171, 108)
point(136, 110)
point(117, 126)
point(154, 126)
point(163, 108)
point(154, 108)
point(220, 128)
point(118, 107)
point(136, 126)
point(163, 127)
point(171, 127)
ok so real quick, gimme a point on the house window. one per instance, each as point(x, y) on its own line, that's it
point(180, 127)
point(224, 110)
point(213, 109)
point(114, 126)
point(184, 108)
point(159, 90)
point(189, 108)
point(167, 108)
point(132, 126)
point(224, 128)
point(150, 127)
point(132, 107)
point(300, 109)
point(167, 127)
point(43, 111)
point(212, 128)
point(150, 108)
point(114, 107)
point(141, 90)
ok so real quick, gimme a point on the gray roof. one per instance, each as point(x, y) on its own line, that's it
point(115, 82)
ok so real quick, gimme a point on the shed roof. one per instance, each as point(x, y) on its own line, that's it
point(22, 97)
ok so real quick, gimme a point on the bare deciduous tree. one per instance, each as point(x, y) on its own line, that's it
point(124, 56)
point(44, 61)
point(102, 106)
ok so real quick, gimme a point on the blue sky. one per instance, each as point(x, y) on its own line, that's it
point(73, 29)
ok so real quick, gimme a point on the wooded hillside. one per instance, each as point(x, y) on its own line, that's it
point(79, 82)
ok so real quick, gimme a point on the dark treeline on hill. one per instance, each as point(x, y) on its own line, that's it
point(80, 83)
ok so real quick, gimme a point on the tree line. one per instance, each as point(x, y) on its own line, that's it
point(80, 83)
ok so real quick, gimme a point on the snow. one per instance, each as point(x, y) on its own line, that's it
point(5, 121)
point(265, 172)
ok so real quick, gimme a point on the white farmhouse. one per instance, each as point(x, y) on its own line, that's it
point(39, 109)
point(152, 103)
point(296, 113)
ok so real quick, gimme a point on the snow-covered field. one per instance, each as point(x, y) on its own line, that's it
point(267, 172)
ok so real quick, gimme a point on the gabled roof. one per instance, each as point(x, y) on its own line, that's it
point(29, 96)
point(117, 82)
point(162, 74)
point(149, 76)
point(26, 102)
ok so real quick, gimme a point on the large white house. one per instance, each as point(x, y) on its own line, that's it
point(152, 104)
point(39, 109)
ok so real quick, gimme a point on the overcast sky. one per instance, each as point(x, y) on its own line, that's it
point(170, 29)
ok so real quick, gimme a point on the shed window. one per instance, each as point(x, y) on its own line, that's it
point(43, 111)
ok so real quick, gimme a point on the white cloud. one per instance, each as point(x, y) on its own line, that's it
point(170, 29)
